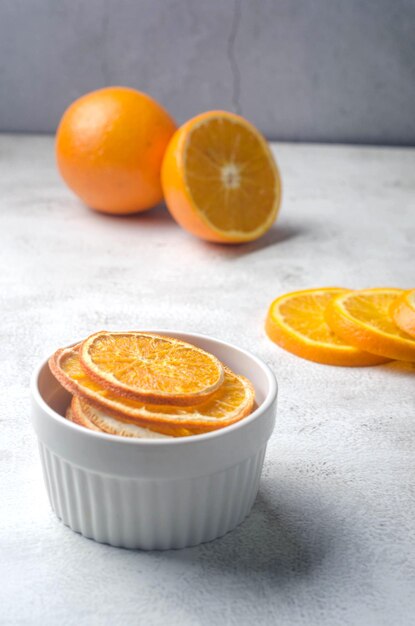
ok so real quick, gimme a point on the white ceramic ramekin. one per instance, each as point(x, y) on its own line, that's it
point(155, 493)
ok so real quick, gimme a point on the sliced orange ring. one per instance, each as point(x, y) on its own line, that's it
point(363, 319)
point(85, 413)
point(296, 322)
point(151, 368)
point(231, 402)
point(403, 312)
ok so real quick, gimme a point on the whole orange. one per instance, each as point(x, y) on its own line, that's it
point(109, 147)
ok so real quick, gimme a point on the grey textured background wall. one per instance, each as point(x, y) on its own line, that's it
point(319, 70)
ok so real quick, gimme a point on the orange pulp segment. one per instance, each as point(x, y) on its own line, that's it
point(403, 312)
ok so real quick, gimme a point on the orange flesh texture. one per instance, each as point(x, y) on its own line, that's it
point(403, 312)
point(306, 315)
point(220, 179)
point(109, 147)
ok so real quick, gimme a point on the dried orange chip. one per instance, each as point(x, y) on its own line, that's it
point(69, 414)
point(230, 403)
point(151, 368)
point(85, 413)
point(363, 319)
point(403, 312)
point(296, 322)
point(77, 417)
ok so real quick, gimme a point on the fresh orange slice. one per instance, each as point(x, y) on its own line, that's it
point(230, 403)
point(151, 368)
point(403, 312)
point(85, 413)
point(296, 322)
point(220, 179)
point(362, 319)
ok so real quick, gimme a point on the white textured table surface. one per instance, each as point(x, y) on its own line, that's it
point(331, 538)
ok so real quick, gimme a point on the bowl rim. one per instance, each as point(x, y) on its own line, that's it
point(268, 400)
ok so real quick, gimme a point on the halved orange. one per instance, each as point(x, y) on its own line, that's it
point(151, 368)
point(230, 403)
point(85, 413)
point(403, 312)
point(296, 322)
point(362, 318)
point(220, 179)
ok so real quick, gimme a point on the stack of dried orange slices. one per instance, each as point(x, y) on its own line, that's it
point(138, 384)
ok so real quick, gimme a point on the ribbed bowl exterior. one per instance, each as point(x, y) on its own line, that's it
point(151, 514)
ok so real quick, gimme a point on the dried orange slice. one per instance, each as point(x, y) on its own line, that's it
point(296, 322)
point(79, 418)
point(220, 179)
point(85, 413)
point(66, 367)
point(403, 312)
point(230, 403)
point(151, 368)
point(362, 318)
point(68, 414)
